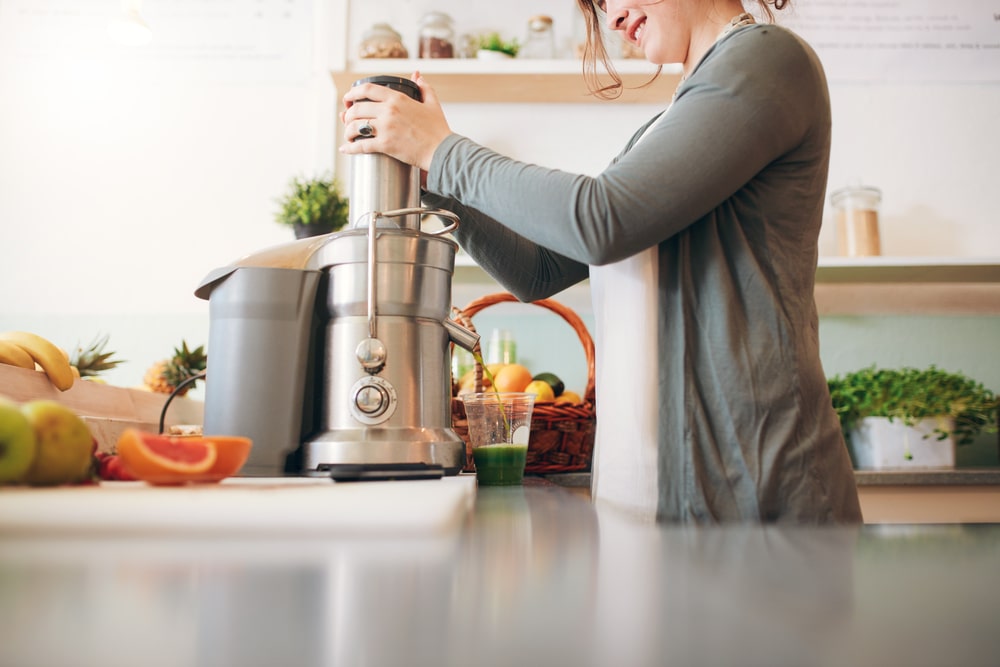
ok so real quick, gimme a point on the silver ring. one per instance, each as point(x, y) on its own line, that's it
point(366, 130)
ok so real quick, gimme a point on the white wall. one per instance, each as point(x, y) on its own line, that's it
point(119, 191)
point(932, 149)
point(126, 176)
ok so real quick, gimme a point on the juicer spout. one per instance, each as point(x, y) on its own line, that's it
point(459, 335)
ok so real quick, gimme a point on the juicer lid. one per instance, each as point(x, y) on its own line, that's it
point(293, 255)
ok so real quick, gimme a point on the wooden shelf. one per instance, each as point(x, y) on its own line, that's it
point(908, 270)
point(516, 81)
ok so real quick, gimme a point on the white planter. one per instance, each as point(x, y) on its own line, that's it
point(487, 54)
point(877, 443)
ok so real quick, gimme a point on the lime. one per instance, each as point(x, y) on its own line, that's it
point(552, 380)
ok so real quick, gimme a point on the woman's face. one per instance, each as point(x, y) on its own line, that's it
point(659, 28)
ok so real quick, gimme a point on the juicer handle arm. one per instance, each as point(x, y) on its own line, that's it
point(423, 211)
point(442, 213)
point(372, 220)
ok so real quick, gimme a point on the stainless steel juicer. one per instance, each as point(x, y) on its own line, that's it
point(335, 350)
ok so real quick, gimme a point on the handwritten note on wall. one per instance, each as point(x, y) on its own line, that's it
point(192, 40)
point(910, 41)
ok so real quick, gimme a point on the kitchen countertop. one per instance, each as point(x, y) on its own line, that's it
point(532, 575)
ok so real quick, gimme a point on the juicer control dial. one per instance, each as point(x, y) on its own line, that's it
point(373, 400)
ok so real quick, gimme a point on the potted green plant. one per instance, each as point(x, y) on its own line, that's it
point(312, 206)
point(492, 45)
point(910, 417)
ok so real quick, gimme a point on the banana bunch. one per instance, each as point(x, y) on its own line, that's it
point(25, 349)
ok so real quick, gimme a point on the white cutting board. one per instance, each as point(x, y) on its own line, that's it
point(243, 505)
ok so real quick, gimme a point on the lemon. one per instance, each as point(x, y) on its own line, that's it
point(542, 391)
point(553, 380)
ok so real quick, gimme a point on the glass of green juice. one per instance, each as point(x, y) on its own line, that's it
point(499, 428)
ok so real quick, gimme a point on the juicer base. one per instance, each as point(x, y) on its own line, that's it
point(440, 446)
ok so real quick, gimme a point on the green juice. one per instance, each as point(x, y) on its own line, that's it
point(500, 464)
point(489, 376)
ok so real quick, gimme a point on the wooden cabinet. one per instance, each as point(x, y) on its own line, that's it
point(945, 496)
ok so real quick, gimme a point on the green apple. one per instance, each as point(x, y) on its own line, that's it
point(64, 444)
point(17, 442)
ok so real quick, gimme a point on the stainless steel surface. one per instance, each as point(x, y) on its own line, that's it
point(533, 576)
point(461, 336)
point(382, 183)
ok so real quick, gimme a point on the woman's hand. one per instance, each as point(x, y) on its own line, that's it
point(403, 128)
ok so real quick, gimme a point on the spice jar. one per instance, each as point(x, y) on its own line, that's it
point(856, 216)
point(437, 36)
point(381, 41)
point(540, 42)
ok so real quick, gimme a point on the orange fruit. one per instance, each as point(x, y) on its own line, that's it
point(512, 377)
point(542, 390)
point(165, 459)
point(570, 397)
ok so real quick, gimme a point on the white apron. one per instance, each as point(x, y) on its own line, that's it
point(624, 297)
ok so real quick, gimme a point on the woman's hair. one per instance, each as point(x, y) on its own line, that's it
point(594, 50)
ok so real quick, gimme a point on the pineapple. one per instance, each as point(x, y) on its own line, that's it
point(93, 360)
point(164, 376)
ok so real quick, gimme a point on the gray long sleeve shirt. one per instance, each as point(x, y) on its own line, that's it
point(729, 188)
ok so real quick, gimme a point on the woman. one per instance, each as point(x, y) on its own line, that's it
point(700, 242)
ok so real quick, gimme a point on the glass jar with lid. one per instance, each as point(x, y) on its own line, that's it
point(856, 209)
point(437, 36)
point(381, 41)
point(540, 42)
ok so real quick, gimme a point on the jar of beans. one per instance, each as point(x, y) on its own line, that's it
point(381, 41)
point(437, 36)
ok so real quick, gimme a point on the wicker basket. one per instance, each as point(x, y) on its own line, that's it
point(562, 436)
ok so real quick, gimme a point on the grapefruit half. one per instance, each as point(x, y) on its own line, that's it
point(165, 459)
point(231, 452)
